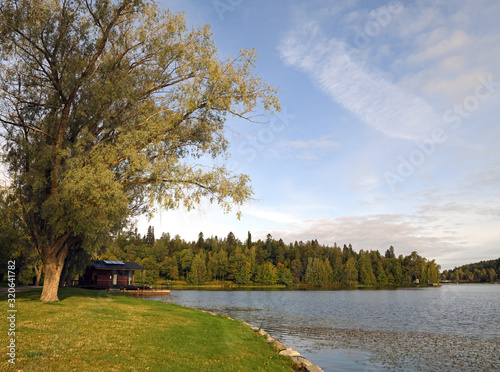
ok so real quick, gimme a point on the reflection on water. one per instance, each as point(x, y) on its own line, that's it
point(368, 329)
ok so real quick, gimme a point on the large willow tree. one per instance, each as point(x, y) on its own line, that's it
point(106, 107)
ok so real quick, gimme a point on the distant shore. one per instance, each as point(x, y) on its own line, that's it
point(230, 285)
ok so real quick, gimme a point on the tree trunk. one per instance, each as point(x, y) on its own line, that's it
point(38, 271)
point(53, 265)
point(64, 275)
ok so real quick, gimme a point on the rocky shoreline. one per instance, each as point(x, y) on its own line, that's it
point(301, 362)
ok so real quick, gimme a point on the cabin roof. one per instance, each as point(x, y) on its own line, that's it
point(117, 265)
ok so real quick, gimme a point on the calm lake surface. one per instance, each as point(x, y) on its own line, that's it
point(454, 327)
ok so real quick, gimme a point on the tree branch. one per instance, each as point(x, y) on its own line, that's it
point(35, 129)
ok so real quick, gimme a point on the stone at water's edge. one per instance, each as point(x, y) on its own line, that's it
point(290, 352)
point(279, 345)
point(313, 369)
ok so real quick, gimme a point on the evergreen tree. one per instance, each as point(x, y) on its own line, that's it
point(200, 243)
point(187, 258)
point(249, 241)
point(318, 273)
point(242, 276)
point(221, 264)
point(152, 270)
point(390, 252)
point(326, 273)
point(492, 275)
point(259, 255)
point(296, 267)
point(350, 273)
point(198, 273)
point(149, 238)
point(336, 262)
point(366, 275)
point(382, 278)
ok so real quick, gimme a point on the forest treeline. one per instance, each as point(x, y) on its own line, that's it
point(267, 262)
point(479, 272)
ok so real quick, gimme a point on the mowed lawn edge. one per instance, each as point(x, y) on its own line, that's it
point(99, 331)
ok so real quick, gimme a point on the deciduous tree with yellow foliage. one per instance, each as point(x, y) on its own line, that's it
point(106, 105)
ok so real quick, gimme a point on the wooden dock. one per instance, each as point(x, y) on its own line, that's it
point(148, 292)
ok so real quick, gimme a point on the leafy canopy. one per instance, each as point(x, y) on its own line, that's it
point(109, 108)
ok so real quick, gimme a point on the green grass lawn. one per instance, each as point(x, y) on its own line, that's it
point(97, 331)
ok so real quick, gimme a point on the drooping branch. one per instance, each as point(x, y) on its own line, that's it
point(30, 127)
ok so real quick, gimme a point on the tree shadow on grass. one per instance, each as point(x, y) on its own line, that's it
point(63, 294)
point(30, 294)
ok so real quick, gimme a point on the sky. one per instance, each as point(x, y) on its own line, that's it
point(389, 131)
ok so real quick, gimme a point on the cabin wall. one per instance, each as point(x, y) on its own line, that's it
point(105, 278)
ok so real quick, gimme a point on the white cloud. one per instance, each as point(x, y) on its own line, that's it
point(440, 43)
point(433, 237)
point(443, 60)
point(376, 232)
point(310, 150)
point(378, 102)
point(413, 22)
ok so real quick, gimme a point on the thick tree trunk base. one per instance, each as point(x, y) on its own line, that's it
point(53, 266)
point(51, 282)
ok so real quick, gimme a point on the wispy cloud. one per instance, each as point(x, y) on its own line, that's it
point(310, 150)
point(370, 95)
point(440, 43)
point(447, 47)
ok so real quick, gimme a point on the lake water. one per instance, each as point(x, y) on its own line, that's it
point(454, 327)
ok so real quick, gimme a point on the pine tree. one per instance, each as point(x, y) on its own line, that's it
point(242, 276)
point(198, 273)
point(350, 273)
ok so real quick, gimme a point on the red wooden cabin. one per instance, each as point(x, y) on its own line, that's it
point(110, 274)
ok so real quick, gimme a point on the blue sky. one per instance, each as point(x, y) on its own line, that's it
point(389, 132)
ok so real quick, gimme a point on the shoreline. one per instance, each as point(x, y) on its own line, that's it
point(301, 287)
point(299, 360)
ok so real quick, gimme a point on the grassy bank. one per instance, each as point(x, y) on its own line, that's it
point(97, 331)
